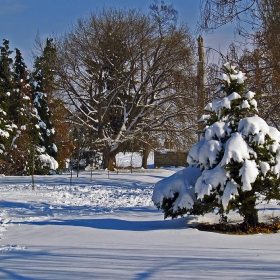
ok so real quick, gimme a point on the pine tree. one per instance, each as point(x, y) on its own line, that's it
point(238, 157)
point(7, 126)
point(22, 126)
point(19, 97)
point(5, 88)
point(4, 138)
point(220, 166)
point(245, 163)
point(5, 69)
point(25, 118)
point(51, 109)
point(43, 84)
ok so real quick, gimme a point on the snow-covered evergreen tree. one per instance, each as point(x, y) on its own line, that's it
point(22, 126)
point(25, 117)
point(238, 158)
point(43, 80)
point(7, 126)
point(5, 69)
point(4, 137)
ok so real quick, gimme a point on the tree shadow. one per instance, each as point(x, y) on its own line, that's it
point(119, 224)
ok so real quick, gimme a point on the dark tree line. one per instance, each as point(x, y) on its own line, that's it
point(27, 133)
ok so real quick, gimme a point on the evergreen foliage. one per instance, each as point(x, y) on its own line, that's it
point(22, 130)
point(43, 83)
point(5, 69)
point(238, 157)
point(244, 182)
point(7, 126)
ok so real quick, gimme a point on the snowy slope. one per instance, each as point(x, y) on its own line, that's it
point(109, 229)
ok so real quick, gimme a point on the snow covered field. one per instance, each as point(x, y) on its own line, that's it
point(109, 229)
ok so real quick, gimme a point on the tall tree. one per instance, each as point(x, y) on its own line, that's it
point(266, 59)
point(43, 84)
point(20, 80)
point(216, 13)
point(16, 108)
point(5, 69)
point(7, 126)
point(125, 73)
point(20, 107)
point(50, 107)
point(256, 22)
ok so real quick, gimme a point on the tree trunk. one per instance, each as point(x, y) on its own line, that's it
point(109, 159)
point(248, 210)
point(251, 219)
point(146, 152)
point(78, 159)
point(111, 162)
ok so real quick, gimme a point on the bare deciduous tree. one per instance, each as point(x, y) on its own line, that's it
point(257, 22)
point(216, 13)
point(126, 74)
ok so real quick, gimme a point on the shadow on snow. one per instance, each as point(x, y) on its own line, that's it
point(118, 224)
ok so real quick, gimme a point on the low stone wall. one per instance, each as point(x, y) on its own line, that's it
point(166, 158)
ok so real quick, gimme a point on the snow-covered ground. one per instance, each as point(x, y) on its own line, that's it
point(108, 228)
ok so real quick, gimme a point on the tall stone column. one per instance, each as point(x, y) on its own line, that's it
point(201, 80)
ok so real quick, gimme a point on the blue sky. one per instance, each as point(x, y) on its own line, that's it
point(21, 20)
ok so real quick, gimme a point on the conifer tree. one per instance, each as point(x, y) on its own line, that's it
point(238, 157)
point(5, 79)
point(25, 118)
point(43, 83)
point(4, 137)
point(7, 126)
point(5, 69)
point(19, 97)
point(58, 143)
